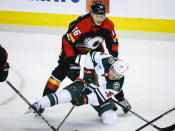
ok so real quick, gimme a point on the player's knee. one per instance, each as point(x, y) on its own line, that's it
point(63, 96)
point(109, 117)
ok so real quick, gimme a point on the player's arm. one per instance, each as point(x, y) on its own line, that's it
point(74, 30)
point(69, 40)
point(89, 69)
point(69, 55)
point(69, 43)
point(91, 60)
point(111, 40)
point(68, 49)
point(97, 57)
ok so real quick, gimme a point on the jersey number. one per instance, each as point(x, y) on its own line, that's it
point(76, 31)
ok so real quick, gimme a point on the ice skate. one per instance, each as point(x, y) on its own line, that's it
point(125, 103)
point(36, 106)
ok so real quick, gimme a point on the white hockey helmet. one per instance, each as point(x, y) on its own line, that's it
point(121, 67)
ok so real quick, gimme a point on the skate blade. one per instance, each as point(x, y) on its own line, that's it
point(30, 110)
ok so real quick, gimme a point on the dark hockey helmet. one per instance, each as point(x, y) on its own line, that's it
point(98, 7)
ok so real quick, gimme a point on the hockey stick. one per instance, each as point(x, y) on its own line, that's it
point(169, 128)
point(71, 108)
point(157, 118)
point(137, 115)
point(65, 118)
point(30, 105)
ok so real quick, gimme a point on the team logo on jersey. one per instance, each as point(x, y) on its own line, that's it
point(73, 88)
point(91, 42)
point(111, 60)
point(116, 86)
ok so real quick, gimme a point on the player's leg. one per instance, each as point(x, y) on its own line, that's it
point(106, 112)
point(109, 117)
point(66, 95)
point(66, 67)
point(58, 75)
point(105, 108)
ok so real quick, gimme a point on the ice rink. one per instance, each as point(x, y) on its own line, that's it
point(33, 53)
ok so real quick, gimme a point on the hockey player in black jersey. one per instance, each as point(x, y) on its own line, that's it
point(84, 34)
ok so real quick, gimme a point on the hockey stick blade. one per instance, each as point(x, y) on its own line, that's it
point(30, 105)
point(169, 128)
point(155, 119)
point(30, 110)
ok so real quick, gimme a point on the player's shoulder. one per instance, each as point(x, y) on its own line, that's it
point(108, 24)
point(85, 16)
point(84, 19)
point(84, 23)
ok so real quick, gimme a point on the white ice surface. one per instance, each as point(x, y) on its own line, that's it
point(33, 53)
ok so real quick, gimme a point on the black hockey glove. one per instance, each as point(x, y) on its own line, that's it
point(4, 72)
point(80, 100)
point(74, 71)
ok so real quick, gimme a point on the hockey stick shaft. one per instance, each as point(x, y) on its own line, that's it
point(155, 119)
point(30, 105)
point(65, 117)
point(137, 115)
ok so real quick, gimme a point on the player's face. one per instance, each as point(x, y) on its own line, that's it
point(98, 19)
point(113, 74)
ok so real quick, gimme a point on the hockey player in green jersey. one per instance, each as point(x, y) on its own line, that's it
point(107, 72)
point(103, 79)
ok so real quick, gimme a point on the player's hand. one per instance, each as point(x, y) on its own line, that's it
point(80, 100)
point(4, 72)
point(74, 71)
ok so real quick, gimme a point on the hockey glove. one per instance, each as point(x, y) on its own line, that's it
point(4, 72)
point(80, 100)
point(74, 71)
